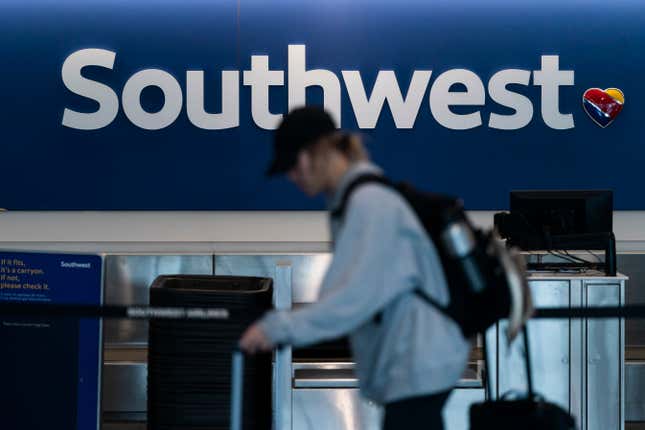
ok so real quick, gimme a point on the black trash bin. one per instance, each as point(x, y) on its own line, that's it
point(189, 362)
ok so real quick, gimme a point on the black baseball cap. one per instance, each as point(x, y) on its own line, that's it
point(299, 128)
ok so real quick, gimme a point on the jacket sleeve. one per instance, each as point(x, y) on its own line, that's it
point(373, 263)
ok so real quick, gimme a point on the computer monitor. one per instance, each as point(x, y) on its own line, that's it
point(566, 212)
point(555, 221)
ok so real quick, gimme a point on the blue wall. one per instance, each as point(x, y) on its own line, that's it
point(46, 165)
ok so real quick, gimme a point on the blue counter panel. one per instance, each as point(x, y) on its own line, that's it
point(50, 367)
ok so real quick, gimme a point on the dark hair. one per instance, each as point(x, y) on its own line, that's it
point(343, 144)
point(351, 145)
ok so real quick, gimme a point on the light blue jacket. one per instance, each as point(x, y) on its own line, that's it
point(381, 254)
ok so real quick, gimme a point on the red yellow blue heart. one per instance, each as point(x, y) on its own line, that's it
point(603, 106)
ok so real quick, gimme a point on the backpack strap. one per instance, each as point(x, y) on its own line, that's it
point(339, 212)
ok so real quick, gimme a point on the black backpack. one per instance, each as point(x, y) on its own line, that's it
point(486, 281)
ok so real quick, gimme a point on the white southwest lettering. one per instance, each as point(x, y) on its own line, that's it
point(260, 78)
point(173, 99)
point(441, 98)
point(500, 94)
point(386, 87)
point(300, 79)
point(550, 78)
point(106, 98)
point(367, 109)
point(230, 115)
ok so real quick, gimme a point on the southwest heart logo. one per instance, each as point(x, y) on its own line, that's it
point(603, 106)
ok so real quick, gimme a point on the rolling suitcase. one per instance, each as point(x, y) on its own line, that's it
point(532, 412)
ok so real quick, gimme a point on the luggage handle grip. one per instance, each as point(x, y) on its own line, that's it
point(237, 386)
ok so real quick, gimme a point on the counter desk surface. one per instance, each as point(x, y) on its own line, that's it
point(588, 275)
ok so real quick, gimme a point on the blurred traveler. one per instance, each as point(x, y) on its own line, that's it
point(408, 354)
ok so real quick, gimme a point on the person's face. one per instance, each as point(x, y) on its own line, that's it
point(309, 172)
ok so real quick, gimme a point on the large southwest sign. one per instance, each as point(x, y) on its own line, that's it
point(367, 109)
point(171, 105)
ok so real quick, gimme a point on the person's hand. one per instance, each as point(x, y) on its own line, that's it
point(255, 340)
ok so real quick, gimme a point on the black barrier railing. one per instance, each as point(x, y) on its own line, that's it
point(109, 311)
point(599, 312)
point(210, 313)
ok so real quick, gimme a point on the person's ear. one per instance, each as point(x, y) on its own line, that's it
point(304, 161)
point(296, 170)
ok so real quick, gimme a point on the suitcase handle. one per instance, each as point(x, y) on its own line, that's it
point(237, 385)
point(527, 361)
point(527, 364)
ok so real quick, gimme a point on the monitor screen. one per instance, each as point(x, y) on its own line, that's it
point(564, 212)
